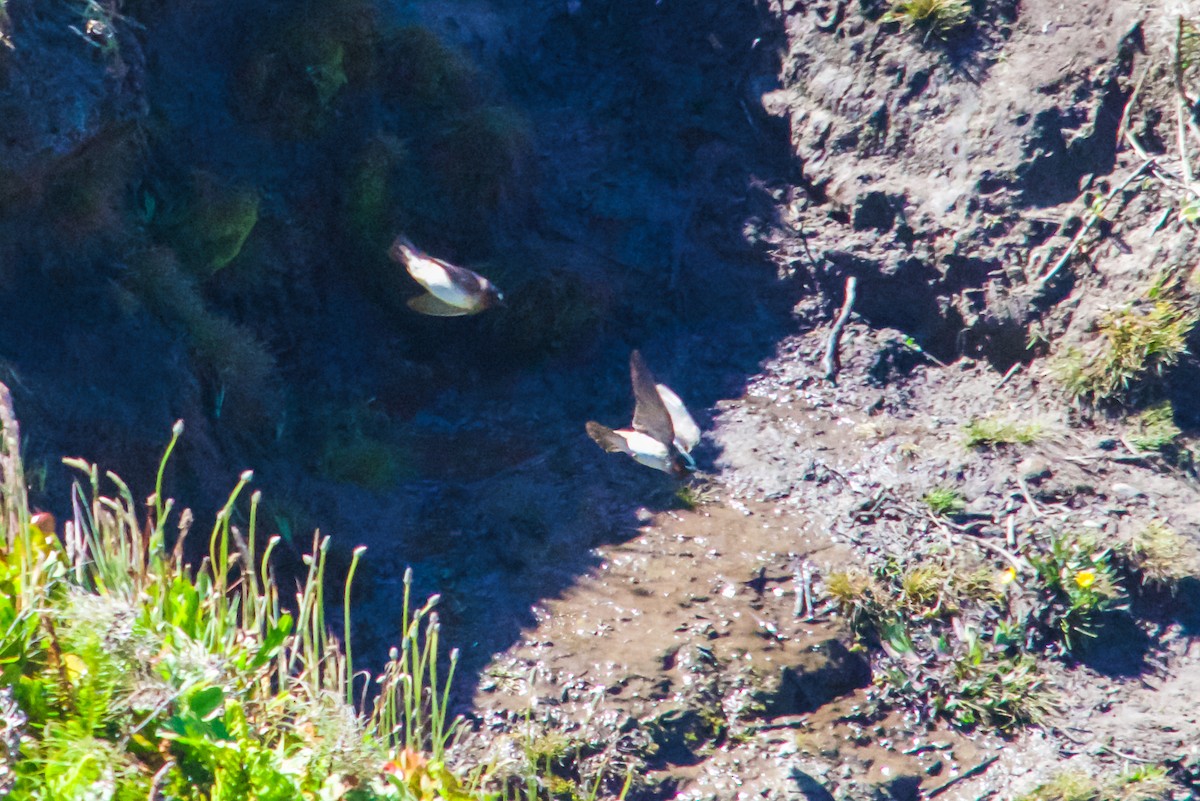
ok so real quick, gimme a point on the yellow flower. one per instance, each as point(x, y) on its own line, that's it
point(1085, 578)
point(1008, 575)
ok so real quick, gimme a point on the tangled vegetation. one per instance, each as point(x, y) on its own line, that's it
point(962, 643)
point(1135, 347)
point(126, 674)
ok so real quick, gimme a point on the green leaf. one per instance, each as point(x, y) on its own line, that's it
point(273, 641)
point(205, 703)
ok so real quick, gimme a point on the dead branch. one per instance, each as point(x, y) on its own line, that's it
point(831, 362)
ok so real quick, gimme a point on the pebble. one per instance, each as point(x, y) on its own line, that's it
point(1034, 468)
point(1126, 492)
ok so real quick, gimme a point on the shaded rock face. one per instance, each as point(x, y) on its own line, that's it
point(68, 75)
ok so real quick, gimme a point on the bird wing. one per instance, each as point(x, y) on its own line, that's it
point(432, 306)
point(687, 433)
point(650, 415)
point(606, 438)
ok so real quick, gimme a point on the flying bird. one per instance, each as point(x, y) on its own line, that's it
point(662, 434)
point(453, 291)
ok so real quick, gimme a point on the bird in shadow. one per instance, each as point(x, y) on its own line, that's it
point(452, 291)
point(662, 434)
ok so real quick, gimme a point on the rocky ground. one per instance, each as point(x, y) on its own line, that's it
point(703, 180)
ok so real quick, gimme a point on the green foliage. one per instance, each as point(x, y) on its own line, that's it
point(1079, 585)
point(1143, 783)
point(990, 432)
point(944, 501)
point(1136, 346)
point(1155, 429)
point(938, 17)
point(137, 678)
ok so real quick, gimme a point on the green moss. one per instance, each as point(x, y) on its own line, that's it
point(304, 62)
point(361, 460)
point(212, 224)
point(425, 72)
point(85, 194)
point(484, 161)
point(239, 368)
point(375, 204)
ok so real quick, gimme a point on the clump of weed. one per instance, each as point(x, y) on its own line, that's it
point(991, 432)
point(1159, 556)
point(1067, 786)
point(1079, 586)
point(944, 501)
point(137, 676)
point(940, 17)
point(239, 368)
point(1143, 783)
point(860, 599)
point(1155, 429)
point(1135, 348)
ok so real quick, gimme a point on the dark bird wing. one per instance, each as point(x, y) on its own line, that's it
point(428, 304)
point(650, 415)
point(606, 438)
point(470, 281)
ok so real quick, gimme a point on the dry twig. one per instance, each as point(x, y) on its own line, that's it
point(831, 362)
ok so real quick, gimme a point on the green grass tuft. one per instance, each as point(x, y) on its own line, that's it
point(1136, 347)
point(990, 432)
point(945, 501)
point(939, 17)
point(1155, 429)
point(1159, 556)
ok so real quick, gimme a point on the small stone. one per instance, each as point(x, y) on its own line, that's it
point(1107, 444)
point(1034, 469)
point(1126, 492)
point(934, 768)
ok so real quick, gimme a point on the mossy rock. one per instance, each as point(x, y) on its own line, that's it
point(211, 225)
point(301, 66)
point(485, 164)
point(420, 70)
point(376, 199)
point(85, 193)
